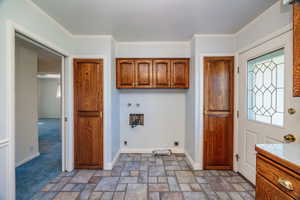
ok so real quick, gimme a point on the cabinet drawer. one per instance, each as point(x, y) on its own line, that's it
point(280, 176)
point(267, 191)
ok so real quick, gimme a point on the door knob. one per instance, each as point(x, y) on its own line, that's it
point(291, 111)
point(289, 138)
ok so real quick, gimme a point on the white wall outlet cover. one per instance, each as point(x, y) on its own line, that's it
point(287, 2)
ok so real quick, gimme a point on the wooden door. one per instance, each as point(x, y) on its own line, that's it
point(125, 73)
point(88, 109)
point(161, 73)
point(180, 73)
point(218, 112)
point(143, 73)
point(296, 31)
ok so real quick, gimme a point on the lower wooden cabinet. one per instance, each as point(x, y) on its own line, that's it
point(265, 190)
point(275, 181)
point(152, 73)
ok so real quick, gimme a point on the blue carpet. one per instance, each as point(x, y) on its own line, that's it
point(32, 176)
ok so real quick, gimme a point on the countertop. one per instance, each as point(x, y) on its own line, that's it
point(287, 155)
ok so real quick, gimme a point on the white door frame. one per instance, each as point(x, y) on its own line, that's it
point(12, 28)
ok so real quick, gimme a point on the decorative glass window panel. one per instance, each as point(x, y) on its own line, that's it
point(266, 88)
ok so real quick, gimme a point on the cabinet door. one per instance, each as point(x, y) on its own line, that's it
point(267, 191)
point(296, 76)
point(88, 108)
point(162, 73)
point(143, 73)
point(125, 73)
point(180, 73)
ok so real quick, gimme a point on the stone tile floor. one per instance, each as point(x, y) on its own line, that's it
point(142, 176)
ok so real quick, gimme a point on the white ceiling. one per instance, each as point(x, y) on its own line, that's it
point(153, 20)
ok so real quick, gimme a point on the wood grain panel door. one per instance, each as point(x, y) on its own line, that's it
point(125, 73)
point(88, 113)
point(161, 73)
point(180, 73)
point(143, 73)
point(296, 38)
point(218, 112)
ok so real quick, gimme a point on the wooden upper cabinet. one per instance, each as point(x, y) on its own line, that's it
point(143, 73)
point(180, 73)
point(162, 73)
point(152, 73)
point(296, 75)
point(125, 73)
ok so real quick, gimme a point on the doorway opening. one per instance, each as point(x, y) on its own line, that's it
point(38, 116)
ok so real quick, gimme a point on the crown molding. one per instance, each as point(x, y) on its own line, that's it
point(153, 42)
point(92, 36)
point(213, 35)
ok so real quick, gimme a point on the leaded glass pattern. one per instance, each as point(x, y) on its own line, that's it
point(266, 88)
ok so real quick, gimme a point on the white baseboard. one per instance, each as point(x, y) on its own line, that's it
point(149, 150)
point(195, 165)
point(110, 165)
point(27, 159)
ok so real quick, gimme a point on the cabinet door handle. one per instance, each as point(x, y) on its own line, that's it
point(286, 184)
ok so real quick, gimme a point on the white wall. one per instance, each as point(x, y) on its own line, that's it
point(272, 20)
point(115, 105)
point(164, 119)
point(164, 110)
point(153, 49)
point(48, 103)
point(190, 125)
point(26, 130)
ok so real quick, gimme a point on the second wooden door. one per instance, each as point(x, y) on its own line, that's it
point(88, 109)
point(218, 112)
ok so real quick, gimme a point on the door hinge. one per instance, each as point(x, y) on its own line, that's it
point(238, 114)
point(237, 157)
point(238, 70)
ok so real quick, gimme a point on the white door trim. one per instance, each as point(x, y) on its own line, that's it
point(12, 28)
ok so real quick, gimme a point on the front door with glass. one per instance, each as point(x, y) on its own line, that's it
point(265, 95)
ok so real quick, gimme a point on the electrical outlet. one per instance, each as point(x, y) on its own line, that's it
point(176, 143)
point(125, 143)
